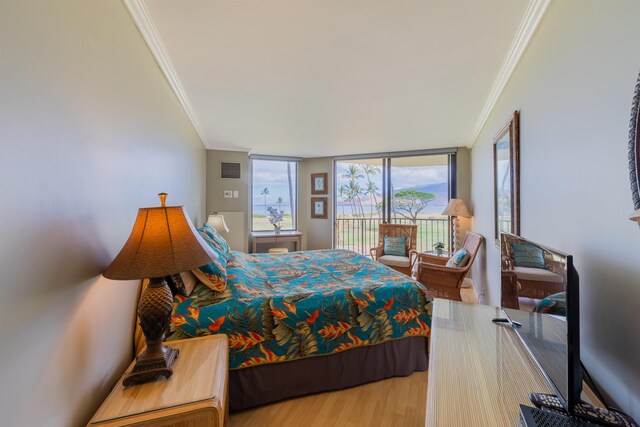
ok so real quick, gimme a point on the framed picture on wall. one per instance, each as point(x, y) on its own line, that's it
point(319, 183)
point(319, 207)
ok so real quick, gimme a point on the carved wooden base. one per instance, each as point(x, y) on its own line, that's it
point(151, 368)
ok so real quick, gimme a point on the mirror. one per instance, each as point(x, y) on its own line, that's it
point(634, 148)
point(506, 177)
point(534, 277)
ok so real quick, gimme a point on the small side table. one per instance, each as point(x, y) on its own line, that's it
point(195, 395)
point(258, 237)
point(433, 257)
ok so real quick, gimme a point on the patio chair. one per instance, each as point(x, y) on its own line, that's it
point(445, 282)
point(403, 264)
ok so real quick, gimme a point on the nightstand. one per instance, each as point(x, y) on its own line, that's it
point(195, 396)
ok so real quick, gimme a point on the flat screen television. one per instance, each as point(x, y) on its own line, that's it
point(540, 294)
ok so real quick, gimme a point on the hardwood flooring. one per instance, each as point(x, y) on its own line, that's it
point(398, 401)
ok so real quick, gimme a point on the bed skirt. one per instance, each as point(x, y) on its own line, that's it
point(263, 384)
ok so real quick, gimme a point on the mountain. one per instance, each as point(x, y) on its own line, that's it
point(440, 189)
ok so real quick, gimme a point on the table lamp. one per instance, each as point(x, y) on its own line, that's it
point(217, 222)
point(163, 241)
point(456, 208)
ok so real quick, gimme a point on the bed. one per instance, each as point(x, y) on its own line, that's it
point(309, 321)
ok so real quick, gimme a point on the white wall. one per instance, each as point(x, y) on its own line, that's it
point(318, 233)
point(574, 87)
point(90, 131)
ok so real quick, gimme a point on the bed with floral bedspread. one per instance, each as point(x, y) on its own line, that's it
point(284, 307)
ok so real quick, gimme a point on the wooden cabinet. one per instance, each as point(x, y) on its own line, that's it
point(195, 396)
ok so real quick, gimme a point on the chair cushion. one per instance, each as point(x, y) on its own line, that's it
point(538, 275)
point(526, 255)
point(395, 246)
point(459, 258)
point(394, 260)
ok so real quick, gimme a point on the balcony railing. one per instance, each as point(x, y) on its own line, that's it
point(361, 234)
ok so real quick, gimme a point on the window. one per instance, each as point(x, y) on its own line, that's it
point(396, 188)
point(274, 190)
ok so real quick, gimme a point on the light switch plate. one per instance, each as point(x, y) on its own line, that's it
point(228, 194)
point(235, 194)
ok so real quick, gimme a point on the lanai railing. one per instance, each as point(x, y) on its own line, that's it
point(361, 234)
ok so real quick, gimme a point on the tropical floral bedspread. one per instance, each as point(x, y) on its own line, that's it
point(289, 306)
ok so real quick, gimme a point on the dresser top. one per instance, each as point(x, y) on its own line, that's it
point(199, 374)
point(283, 233)
point(479, 371)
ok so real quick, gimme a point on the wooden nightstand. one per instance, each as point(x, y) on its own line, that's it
point(195, 396)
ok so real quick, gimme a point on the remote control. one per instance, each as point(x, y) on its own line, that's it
point(603, 416)
point(505, 320)
point(542, 400)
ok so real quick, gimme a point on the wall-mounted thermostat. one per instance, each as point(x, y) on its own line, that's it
point(228, 194)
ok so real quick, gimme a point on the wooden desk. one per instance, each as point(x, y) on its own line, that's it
point(294, 237)
point(195, 395)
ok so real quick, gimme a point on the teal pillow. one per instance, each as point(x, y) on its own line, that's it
point(395, 246)
point(214, 274)
point(525, 255)
point(213, 237)
point(458, 259)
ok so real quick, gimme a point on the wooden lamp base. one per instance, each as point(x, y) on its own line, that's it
point(154, 311)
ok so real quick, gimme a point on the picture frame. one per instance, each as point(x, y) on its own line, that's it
point(319, 183)
point(319, 208)
point(506, 178)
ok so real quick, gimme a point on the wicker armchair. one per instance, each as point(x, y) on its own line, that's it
point(445, 282)
point(536, 283)
point(403, 264)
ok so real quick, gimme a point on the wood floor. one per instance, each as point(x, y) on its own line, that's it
point(392, 402)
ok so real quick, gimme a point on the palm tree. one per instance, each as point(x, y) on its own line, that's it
point(372, 188)
point(343, 194)
point(353, 175)
point(292, 203)
point(355, 191)
point(280, 201)
point(265, 193)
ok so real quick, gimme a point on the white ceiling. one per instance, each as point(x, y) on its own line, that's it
point(331, 77)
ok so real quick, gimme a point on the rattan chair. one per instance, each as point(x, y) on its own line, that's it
point(536, 283)
point(403, 264)
point(445, 282)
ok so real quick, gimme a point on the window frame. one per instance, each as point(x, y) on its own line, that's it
point(295, 161)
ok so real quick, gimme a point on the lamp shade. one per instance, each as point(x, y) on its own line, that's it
point(635, 216)
point(217, 222)
point(456, 207)
point(163, 242)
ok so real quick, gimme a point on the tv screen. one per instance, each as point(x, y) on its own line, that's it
point(540, 293)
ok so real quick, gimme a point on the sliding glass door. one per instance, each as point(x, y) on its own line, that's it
point(397, 189)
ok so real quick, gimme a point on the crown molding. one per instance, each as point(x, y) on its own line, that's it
point(532, 17)
point(140, 15)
